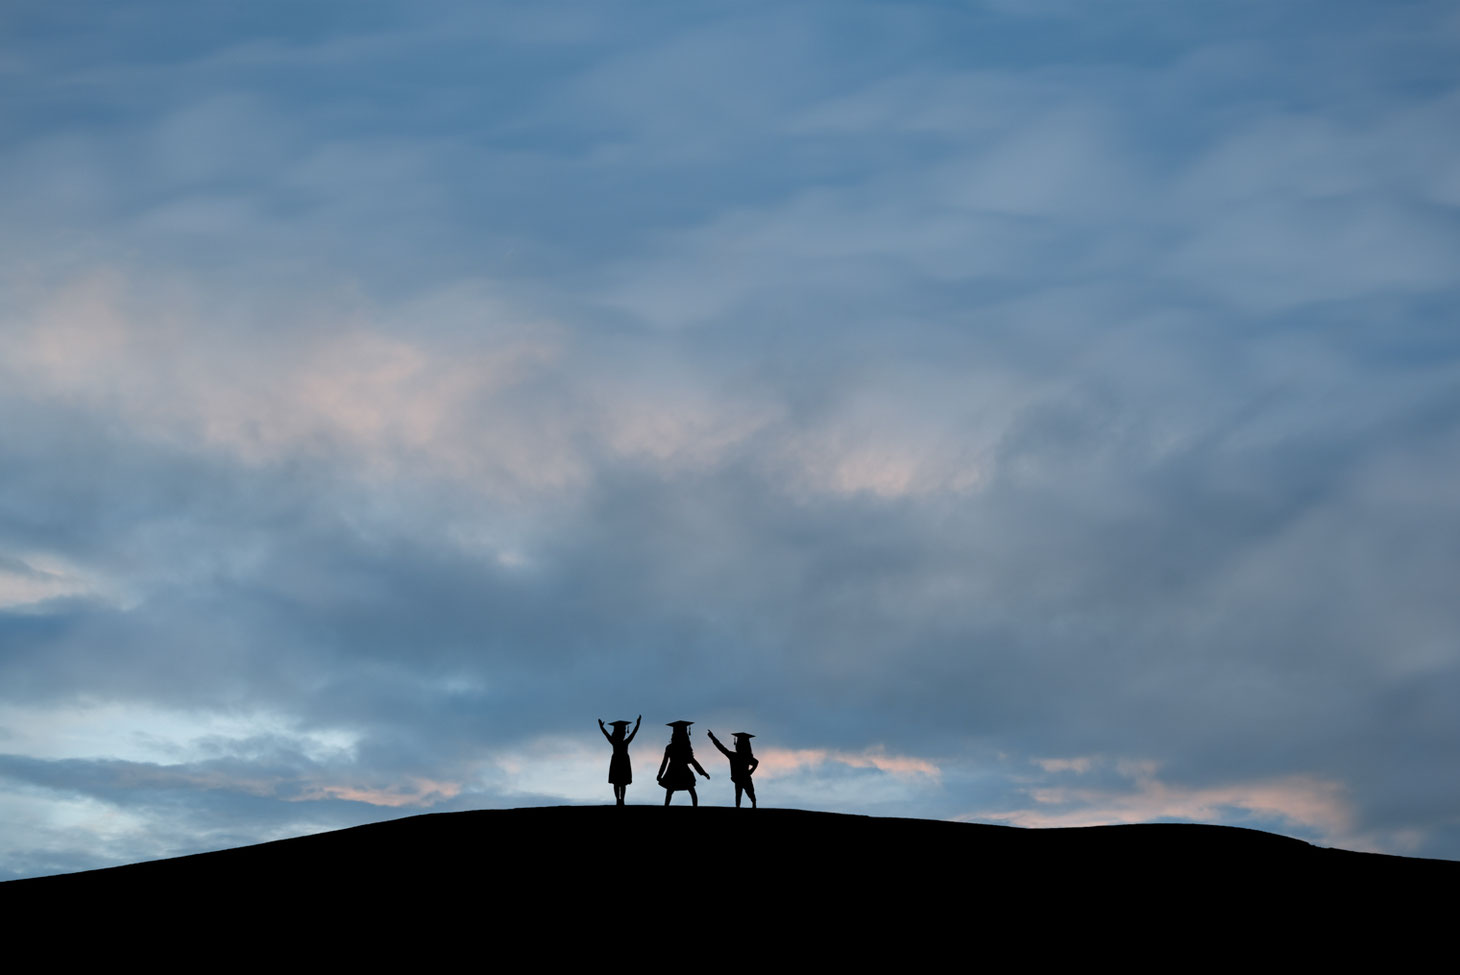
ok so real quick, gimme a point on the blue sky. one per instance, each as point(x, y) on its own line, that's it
point(1030, 412)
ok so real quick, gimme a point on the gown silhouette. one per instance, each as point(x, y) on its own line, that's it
point(620, 772)
point(679, 758)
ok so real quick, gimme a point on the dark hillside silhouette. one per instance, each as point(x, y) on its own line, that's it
point(822, 888)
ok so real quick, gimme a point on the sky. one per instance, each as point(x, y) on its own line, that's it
point(1034, 412)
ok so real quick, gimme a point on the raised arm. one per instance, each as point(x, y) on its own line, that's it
point(723, 750)
point(605, 731)
point(634, 732)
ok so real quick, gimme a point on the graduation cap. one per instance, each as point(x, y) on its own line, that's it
point(742, 734)
point(678, 724)
point(620, 724)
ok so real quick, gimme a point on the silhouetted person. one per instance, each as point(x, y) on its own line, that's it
point(742, 764)
point(620, 773)
point(679, 756)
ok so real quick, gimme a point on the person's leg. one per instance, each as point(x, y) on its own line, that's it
point(750, 791)
point(693, 799)
point(668, 794)
point(738, 790)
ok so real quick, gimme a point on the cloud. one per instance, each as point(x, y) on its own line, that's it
point(157, 735)
point(384, 394)
point(1308, 804)
point(24, 583)
point(417, 793)
point(781, 762)
point(334, 386)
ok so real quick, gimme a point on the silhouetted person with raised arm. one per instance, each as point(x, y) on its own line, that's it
point(742, 764)
point(679, 757)
point(620, 773)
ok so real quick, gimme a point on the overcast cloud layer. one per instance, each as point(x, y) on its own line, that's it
point(1031, 412)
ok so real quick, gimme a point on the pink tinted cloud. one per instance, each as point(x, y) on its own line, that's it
point(518, 411)
point(1306, 801)
point(419, 792)
point(775, 762)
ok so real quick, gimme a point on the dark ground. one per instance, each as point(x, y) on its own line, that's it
point(615, 886)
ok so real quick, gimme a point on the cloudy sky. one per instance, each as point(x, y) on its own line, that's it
point(1028, 411)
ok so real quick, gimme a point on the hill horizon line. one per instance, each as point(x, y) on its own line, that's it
point(842, 889)
point(1099, 836)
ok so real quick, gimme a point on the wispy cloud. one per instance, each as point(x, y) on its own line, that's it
point(782, 762)
point(384, 393)
point(1311, 805)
